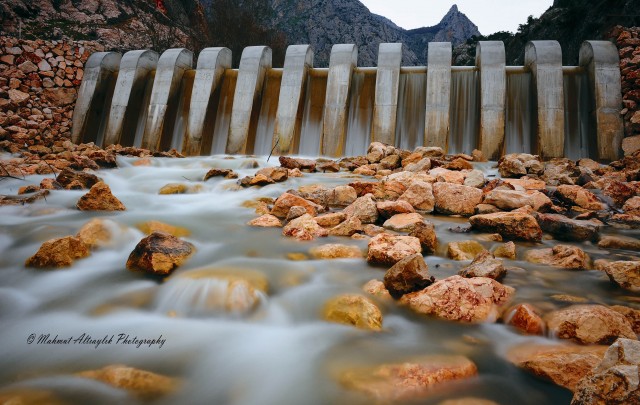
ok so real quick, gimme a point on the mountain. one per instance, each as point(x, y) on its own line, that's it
point(123, 25)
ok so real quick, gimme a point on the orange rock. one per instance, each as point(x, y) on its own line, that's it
point(511, 225)
point(390, 249)
point(99, 198)
point(159, 254)
point(564, 256)
point(526, 318)
point(59, 252)
point(142, 383)
point(266, 221)
point(355, 310)
point(456, 199)
point(589, 324)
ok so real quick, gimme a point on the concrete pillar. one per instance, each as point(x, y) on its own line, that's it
point(438, 104)
point(130, 86)
point(98, 74)
point(166, 86)
point(254, 63)
point(544, 59)
point(601, 60)
point(385, 107)
point(344, 58)
point(298, 60)
point(212, 62)
point(490, 58)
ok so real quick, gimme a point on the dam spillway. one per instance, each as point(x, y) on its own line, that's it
point(164, 101)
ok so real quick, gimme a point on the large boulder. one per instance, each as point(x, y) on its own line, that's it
point(589, 324)
point(564, 256)
point(632, 206)
point(426, 233)
point(484, 265)
point(355, 310)
point(625, 274)
point(512, 199)
point(68, 179)
point(390, 208)
point(563, 228)
point(403, 222)
point(287, 200)
point(58, 252)
point(408, 275)
point(619, 242)
point(100, 198)
point(420, 195)
point(389, 249)
point(341, 196)
point(455, 298)
point(304, 228)
point(364, 208)
point(159, 254)
point(456, 199)
point(616, 380)
point(511, 225)
point(576, 195)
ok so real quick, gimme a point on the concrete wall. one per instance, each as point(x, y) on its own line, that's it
point(385, 107)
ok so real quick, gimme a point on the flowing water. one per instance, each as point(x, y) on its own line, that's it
point(577, 142)
point(519, 113)
point(315, 93)
point(412, 95)
point(465, 108)
point(282, 352)
point(360, 115)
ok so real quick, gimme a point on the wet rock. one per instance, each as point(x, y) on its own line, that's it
point(29, 396)
point(526, 319)
point(619, 192)
point(511, 225)
point(259, 180)
point(301, 164)
point(560, 171)
point(349, 227)
point(173, 188)
point(355, 310)
point(506, 250)
point(421, 165)
point(150, 227)
point(510, 166)
point(426, 234)
point(455, 199)
point(287, 200)
point(589, 324)
point(406, 381)
point(403, 222)
point(420, 196)
point(336, 251)
point(464, 250)
point(486, 209)
point(159, 254)
point(389, 249)
point(526, 183)
point(277, 174)
point(632, 315)
point(330, 220)
point(373, 230)
point(563, 365)
point(390, 208)
point(226, 173)
point(474, 178)
point(341, 196)
point(625, 274)
point(16, 200)
point(407, 178)
point(408, 275)
point(484, 265)
point(443, 175)
point(99, 198)
point(304, 228)
point(563, 228)
point(619, 242)
point(456, 298)
point(364, 208)
point(142, 383)
point(624, 221)
point(376, 288)
point(459, 164)
point(564, 256)
point(58, 252)
point(615, 380)
point(67, 176)
point(576, 195)
point(97, 233)
point(295, 212)
point(266, 221)
point(390, 162)
point(632, 206)
point(512, 199)
point(327, 166)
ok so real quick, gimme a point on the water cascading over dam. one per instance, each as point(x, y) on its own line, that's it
point(161, 102)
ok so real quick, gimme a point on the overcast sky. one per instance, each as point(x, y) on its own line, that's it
point(489, 15)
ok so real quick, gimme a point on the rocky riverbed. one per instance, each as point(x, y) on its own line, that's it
point(397, 276)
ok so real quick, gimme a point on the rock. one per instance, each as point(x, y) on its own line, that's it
point(511, 225)
point(226, 173)
point(275, 174)
point(631, 144)
point(564, 256)
point(389, 249)
point(266, 221)
point(474, 178)
point(443, 175)
point(426, 234)
point(59, 96)
point(456, 199)
point(390, 208)
point(376, 152)
point(287, 200)
point(330, 220)
point(99, 198)
point(408, 275)
point(295, 212)
point(341, 196)
point(29, 396)
point(144, 384)
point(420, 196)
point(364, 208)
point(484, 265)
point(527, 183)
point(173, 188)
point(506, 250)
point(159, 254)
point(618, 191)
point(512, 199)
point(456, 298)
point(632, 315)
point(526, 319)
point(336, 251)
point(97, 233)
point(464, 250)
point(377, 288)
point(589, 324)
point(510, 166)
point(301, 164)
point(563, 228)
point(577, 195)
point(150, 227)
point(67, 176)
point(406, 381)
point(421, 165)
point(18, 97)
point(632, 206)
point(615, 380)
point(625, 274)
point(486, 209)
point(304, 228)
point(563, 365)
point(624, 221)
point(352, 309)
point(58, 252)
point(403, 222)
point(468, 400)
point(390, 162)
point(327, 166)
point(349, 227)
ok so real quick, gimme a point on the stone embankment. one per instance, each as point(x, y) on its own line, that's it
point(628, 42)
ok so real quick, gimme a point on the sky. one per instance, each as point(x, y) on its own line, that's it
point(489, 15)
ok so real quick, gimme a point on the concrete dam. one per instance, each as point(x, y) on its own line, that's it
point(161, 102)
